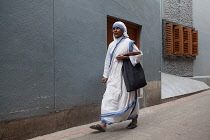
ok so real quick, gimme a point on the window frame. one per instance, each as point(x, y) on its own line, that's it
point(180, 40)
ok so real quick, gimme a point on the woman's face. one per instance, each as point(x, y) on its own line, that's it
point(117, 32)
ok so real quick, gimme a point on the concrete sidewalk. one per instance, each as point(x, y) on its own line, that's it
point(187, 118)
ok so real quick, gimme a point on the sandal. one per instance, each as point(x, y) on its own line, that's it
point(97, 127)
point(131, 126)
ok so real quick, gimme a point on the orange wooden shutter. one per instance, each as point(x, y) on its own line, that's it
point(187, 42)
point(178, 40)
point(169, 39)
point(194, 43)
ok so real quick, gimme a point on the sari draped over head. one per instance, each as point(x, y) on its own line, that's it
point(118, 104)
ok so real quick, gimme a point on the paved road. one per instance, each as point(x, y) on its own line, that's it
point(187, 118)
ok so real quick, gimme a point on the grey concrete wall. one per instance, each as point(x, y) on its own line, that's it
point(179, 11)
point(26, 59)
point(201, 23)
point(52, 52)
point(80, 47)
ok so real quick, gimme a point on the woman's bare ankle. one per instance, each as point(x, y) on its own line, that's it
point(134, 121)
point(103, 125)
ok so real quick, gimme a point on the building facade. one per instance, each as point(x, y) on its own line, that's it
point(52, 57)
point(177, 13)
point(201, 23)
point(190, 15)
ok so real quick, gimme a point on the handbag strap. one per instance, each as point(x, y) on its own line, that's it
point(131, 45)
point(111, 56)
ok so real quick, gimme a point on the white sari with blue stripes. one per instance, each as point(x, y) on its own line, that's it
point(118, 104)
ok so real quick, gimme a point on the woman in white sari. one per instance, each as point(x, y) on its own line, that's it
point(118, 105)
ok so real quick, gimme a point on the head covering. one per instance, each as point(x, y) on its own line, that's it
point(122, 26)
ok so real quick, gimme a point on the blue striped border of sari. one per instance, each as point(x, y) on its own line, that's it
point(122, 111)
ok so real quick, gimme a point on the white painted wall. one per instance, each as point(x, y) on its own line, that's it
point(201, 22)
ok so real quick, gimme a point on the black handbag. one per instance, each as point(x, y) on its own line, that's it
point(133, 75)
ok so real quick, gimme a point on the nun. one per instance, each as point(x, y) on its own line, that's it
point(117, 104)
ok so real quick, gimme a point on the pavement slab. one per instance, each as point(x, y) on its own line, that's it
point(187, 118)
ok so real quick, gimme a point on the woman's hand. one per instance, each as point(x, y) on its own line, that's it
point(121, 57)
point(104, 80)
